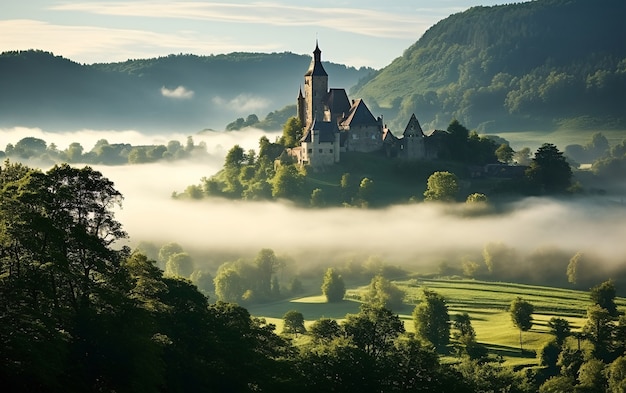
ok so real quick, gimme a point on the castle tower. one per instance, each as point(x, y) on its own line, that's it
point(301, 107)
point(413, 141)
point(315, 88)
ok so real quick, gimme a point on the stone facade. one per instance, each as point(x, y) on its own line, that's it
point(333, 125)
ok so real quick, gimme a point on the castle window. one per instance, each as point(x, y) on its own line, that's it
point(331, 150)
point(310, 151)
point(321, 150)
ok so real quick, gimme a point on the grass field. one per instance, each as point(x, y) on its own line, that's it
point(486, 303)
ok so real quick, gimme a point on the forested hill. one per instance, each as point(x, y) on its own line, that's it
point(536, 64)
point(172, 93)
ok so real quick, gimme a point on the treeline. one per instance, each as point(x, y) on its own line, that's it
point(103, 152)
point(272, 174)
point(526, 65)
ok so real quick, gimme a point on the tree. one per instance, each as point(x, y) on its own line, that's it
point(431, 319)
point(591, 375)
point(167, 250)
point(560, 329)
point(383, 293)
point(292, 132)
point(599, 330)
point(267, 264)
point(288, 182)
point(522, 316)
point(229, 285)
point(549, 171)
point(293, 322)
point(604, 296)
point(463, 324)
point(476, 198)
point(317, 198)
point(442, 186)
point(333, 286)
point(235, 157)
point(616, 375)
point(373, 329)
point(325, 330)
point(179, 265)
point(504, 152)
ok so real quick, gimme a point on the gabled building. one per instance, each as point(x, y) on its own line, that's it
point(332, 124)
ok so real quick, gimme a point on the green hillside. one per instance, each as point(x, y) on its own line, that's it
point(529, 65)
point(171, 93)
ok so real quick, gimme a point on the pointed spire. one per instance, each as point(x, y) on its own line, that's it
point(316, 67)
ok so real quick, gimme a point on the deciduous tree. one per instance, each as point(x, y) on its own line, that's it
point(431, 319)
point(442, 186)
point(333, 286)
point(522, 316)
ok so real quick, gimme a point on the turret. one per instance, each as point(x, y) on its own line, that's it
point(315, 88)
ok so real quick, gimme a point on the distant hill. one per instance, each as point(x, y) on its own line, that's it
point(538, 65)
point(172, 93)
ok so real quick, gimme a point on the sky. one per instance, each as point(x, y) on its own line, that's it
point(351, 32)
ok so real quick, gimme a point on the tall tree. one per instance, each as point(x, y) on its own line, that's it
point(431, 319)
point(604, 296)
point(549, 171)
point(373, 329)
point(522, 316)
point(383, 293)
point(333, 286)
point(292, 132)
point(267, 264)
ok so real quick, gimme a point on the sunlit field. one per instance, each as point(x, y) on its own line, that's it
point(486, 302)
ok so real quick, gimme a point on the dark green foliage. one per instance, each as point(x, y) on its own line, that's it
point(549, 172)
point(526, 64)
point(373, 329)
point(604, 296)
point(293, 322)
point(134, 94)
point(560, 329)
point(325, 330)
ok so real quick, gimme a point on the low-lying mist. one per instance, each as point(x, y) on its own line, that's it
point(534, 234)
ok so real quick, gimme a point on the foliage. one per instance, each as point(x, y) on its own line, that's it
point(325, 330)
point(333, 286)
point(442, 186)
point(293, 322)
point(549, 172)
point(383, 293)
point(474, 66)
point(373, 329)
point(604, 296)
point(522, 316)
point(292, 132)
point(431, 319)
point(560, 329)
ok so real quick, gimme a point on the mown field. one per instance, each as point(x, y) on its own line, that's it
point(486, 303)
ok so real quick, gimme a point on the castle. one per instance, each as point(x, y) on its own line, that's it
point(332, 125)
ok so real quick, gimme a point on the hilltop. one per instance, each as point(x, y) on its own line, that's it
point(533, 65)
point(171, 93)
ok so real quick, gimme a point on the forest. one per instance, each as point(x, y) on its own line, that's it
point(538, 64)
point(81, 313)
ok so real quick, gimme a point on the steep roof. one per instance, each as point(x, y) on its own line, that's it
point(326, 131)
point(413, 127)
point(359, 115)
point(316, 68)
point(338, 102)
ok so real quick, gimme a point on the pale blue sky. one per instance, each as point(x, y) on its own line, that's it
point(352, 32)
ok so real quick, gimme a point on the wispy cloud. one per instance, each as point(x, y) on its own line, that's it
point(93, 44)
point(367, 22)
point(181, 93)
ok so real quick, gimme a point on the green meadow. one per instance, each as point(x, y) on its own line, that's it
point(486, 302)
